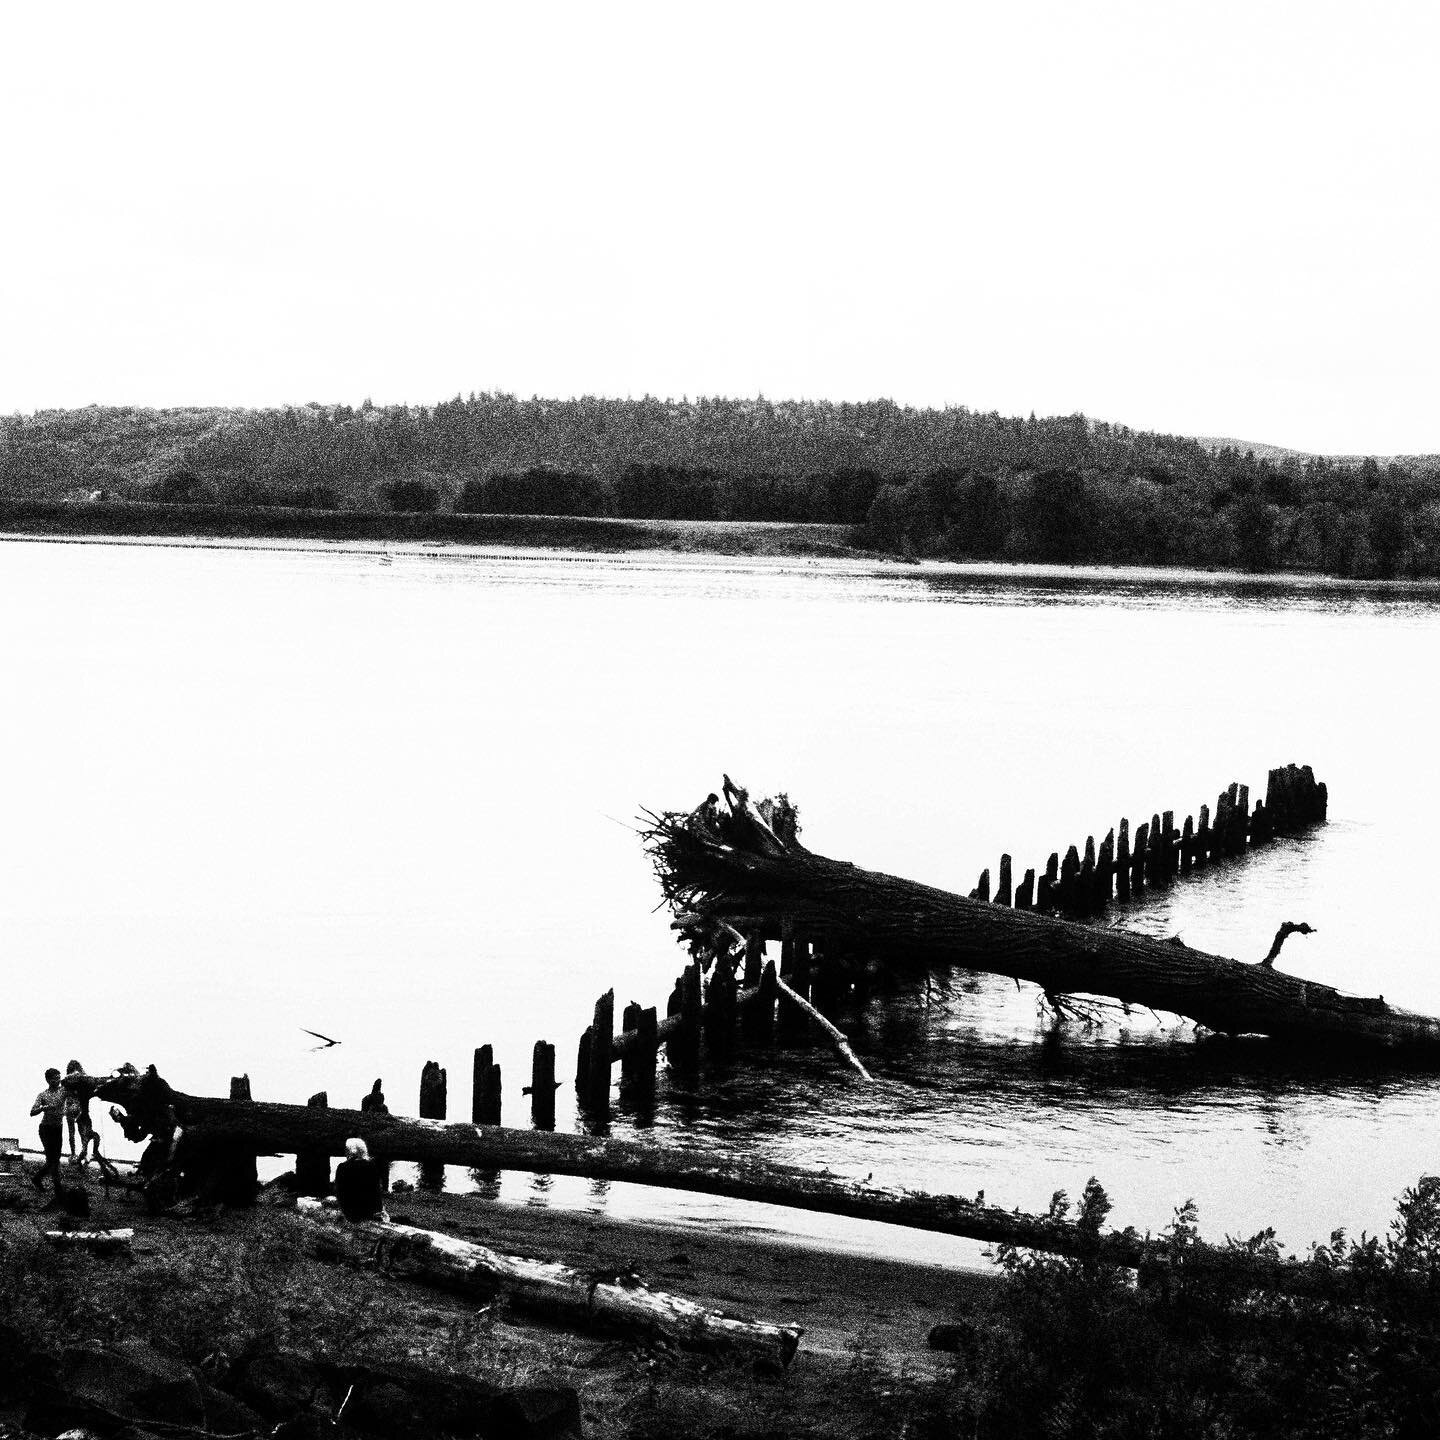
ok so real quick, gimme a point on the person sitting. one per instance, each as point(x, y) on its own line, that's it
point(704, 819)
point(357, 1184)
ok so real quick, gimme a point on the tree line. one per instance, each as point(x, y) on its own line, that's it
point(948, 483)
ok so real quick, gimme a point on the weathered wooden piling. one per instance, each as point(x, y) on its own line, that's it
point(1068, 897)
point(720, 1010)
point(542, 1086)
point(1224, 826)
point(374, 1104)
point(602, 1034)
point(682, 1045)
point(582, 1069)
point(1002, 890)
point(1048, 887)
point(751, 1023)
point(1025, 895)
point(982, 887)
point(1105, 870)
point(637, 1061)
point(1089, 890)
point(432, 1107)
point(1154, 855)
point(432, 1091)
point(792, 1025)
point(485, 1089)
point(1294, 800)
point(1160, 852)
point(234, 1175)
point(764, 1006)
point(312, 1166)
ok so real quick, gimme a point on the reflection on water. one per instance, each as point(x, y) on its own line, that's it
point(389, 794)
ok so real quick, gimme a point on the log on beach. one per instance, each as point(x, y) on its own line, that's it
point(271, 1127)
point(741, 874)
point(213, 1125)
point(97, 1242)
point(216, 1124)
point(557, 1292)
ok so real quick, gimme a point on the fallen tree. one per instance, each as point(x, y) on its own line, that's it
point(745, 869)
point(620, 1302)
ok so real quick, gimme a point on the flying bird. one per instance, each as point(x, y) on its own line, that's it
point(326, 1041)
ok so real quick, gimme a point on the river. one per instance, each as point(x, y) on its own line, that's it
point(389, 794)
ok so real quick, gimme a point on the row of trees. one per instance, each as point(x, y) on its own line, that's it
point(1079, 517)
point(948, 483)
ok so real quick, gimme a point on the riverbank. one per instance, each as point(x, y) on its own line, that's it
point(252, 1323)
point(231, 1280)
point(55, 519)
point(141, 522)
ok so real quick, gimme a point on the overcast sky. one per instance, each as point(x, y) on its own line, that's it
point(1214, 219)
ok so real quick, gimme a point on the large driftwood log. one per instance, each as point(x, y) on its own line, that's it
point(743, 875)
point(268, 1127)
point(541, 1287)
point(271, 1128)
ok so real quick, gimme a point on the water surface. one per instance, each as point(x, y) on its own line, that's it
point(389, 794)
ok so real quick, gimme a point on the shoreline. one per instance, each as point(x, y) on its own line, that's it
point(863, 1360)
point(578, 537)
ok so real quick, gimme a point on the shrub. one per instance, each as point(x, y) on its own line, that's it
point(1074, 1347)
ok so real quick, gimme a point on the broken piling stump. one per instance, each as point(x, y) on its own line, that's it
point(542, 1086)
point(312, 1167)
point(485, 1090)
point(432, 1107)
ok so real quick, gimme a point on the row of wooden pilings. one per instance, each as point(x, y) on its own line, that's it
point(1079, 886)
point(738, 1003)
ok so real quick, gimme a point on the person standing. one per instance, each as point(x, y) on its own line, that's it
point(78, 1093)
point(50, 1107)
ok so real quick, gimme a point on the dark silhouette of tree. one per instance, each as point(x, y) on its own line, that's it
point(1387, 533)
point(1253, 525)
point(1062, 516)
point(411, 495)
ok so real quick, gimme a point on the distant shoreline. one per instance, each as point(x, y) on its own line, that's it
point(139, 522)
point(61, 519)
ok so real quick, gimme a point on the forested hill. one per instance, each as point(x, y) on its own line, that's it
point(950, 482)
